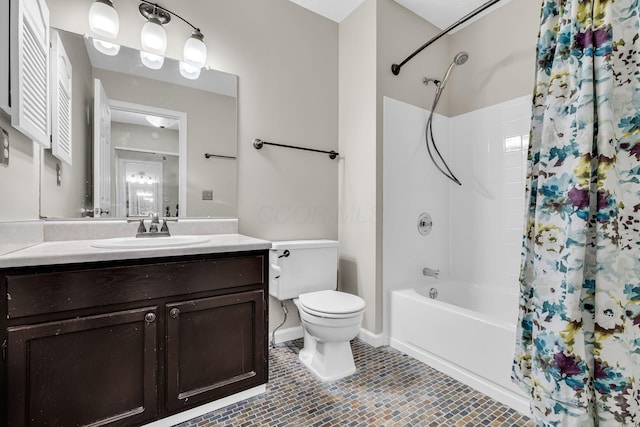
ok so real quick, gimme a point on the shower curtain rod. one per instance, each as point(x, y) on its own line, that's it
point(395, 68)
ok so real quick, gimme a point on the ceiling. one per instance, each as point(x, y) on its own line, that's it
point(441, 13)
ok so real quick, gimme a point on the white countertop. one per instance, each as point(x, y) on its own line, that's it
point(81, 251)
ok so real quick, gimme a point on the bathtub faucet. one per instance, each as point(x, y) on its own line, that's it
point(431, 272)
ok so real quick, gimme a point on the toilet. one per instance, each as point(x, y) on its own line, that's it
point(306, 271)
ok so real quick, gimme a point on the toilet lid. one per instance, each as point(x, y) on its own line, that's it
point(332, 302)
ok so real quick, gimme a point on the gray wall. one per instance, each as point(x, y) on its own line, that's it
point(20, 181)
point(358, 215)
point(502, 53)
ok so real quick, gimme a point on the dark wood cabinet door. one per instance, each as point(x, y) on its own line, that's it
point(97, 370)
point(215, 347)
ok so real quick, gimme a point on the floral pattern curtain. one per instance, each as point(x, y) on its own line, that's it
point(578, 345)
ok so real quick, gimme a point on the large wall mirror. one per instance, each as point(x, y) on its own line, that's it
point(153, 140)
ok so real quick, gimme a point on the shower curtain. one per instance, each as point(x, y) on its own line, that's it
point(578, 345)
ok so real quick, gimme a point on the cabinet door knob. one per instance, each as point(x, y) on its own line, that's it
point(174, 313)
point(150, 317)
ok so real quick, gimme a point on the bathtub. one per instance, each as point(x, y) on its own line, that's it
point(467, 332)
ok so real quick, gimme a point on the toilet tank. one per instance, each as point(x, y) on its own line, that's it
point(301, 266)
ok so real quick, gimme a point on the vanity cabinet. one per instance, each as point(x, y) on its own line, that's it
point(123, 343)
point(79, 371)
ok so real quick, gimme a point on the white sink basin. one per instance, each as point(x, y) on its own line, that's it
point(149, 242)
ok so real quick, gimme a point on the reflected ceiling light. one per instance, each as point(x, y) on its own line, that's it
point(105, 47)
point(161, 122)
point(151, 60)
point(103, 19)
point(188, 71)
point(141, 178)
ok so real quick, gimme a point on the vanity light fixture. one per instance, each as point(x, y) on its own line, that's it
point(195, 51)
point(153, 37)
point(103, 20)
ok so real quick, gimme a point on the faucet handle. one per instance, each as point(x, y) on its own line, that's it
point(141, 227)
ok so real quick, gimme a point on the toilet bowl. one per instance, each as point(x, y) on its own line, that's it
point(330, 320)
point(306, 271)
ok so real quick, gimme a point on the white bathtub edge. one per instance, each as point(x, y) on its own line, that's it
point(507, 397)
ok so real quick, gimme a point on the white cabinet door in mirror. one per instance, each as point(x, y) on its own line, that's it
point(29, 55)
point(61, 143)
point(101, 151)
point(4, 56)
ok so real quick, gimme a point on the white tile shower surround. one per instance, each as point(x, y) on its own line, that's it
point(477, 227)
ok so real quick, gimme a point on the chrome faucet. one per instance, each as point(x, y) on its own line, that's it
point(155, 221)
point(153, 226)
point(431, 272)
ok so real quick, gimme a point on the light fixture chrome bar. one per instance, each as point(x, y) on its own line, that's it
point(164, 9)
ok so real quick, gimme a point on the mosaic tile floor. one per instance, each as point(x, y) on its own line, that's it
point(389, 389)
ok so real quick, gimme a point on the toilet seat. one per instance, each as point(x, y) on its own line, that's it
point(331, 304)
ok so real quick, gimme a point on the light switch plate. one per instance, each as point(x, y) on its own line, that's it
point(207, 194)
point(4, 147)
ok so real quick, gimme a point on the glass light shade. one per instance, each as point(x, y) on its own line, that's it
point(103, 19)
point(151, 60)
point(161, 122)
point(106, 48)
point(188, 71)
point(195, 51)
point(153, 37)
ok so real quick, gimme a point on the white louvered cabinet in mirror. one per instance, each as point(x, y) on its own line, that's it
point(29, 63)
point(61, 88)
point(4, 56)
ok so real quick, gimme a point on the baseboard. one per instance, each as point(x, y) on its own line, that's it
point(374, 340)
point(293, 333)
point(288, 334)
point(208, 407)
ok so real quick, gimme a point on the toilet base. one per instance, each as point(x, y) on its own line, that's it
point(329, 361)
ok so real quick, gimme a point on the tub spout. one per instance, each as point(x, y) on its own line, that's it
point(431, 272)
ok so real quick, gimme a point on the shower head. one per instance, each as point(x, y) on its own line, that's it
point(461, 58)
